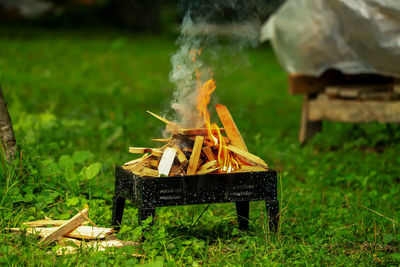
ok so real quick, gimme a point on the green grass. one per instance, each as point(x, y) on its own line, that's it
point(78, 100)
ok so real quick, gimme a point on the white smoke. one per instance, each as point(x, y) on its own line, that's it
point(202, 31)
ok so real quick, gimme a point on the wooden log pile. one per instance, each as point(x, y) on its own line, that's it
point(73, 234)
point(196, 151)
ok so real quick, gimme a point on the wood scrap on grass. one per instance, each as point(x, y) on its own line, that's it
point(73, 234)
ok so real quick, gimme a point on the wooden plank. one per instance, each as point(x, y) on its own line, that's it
point(111, 243)
point(353, 110)
point(248, 156)
point(138, 165)
point(208, 152)
point(161, 140)
point(47, 222)
point(98, 246)
point(154, 162)
point(90, 232)
point(342, 91)
point(135, 161)
point(230, 127)
point(172, 128)
point(176, 170)
point(155, 152)
point(81, 232)
point(245, 168)
point(199, 131)
point(180, 155)
point(382, 95)
point(350, 93)
point(66, 227)
point(208, 165)
point(195, 156)
point(359, 90)
point(66, 241)
point(166, 161)
point(162, 119)
point(137, 150)
point(205, 171)
point(332, 91)
point(141, 150)
point(206, 141)
point(132, 162)
point(144, 171)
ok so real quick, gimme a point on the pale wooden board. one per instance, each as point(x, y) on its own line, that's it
point(136, 167)
point(145, 172)
point(245, 168)
point(195, 156)
point(199, 131)
point(98, 246)
point(247, 155)
point(132, 162)
point(81, 232)
point(385, 96)
point(365, 91)
point(205, 171)
point(66, 227)
point(161, 140)
point(208, 152)
point(353, 110)
point(166, 161)
point(208, 165)
point(180, 155)
point(148, 172)
point(141, 150)
point(154, 162)
point(47, 222)
point(206, 140)
point(162, 119)
point(230, 127)
point(156, 152)
point(66, 241)
point(137, 150)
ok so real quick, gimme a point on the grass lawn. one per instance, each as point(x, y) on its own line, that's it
point(78, 98)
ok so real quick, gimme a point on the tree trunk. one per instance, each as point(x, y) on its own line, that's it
point(6, 130)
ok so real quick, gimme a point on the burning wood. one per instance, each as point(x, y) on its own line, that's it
point(166, 161)
point(210, 149)
point(195, 156)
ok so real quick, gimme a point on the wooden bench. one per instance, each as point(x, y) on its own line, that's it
point(335, 96)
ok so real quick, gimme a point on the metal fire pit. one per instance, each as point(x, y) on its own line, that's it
point(149, 193)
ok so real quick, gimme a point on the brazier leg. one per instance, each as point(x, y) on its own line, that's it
point(242, 210)
point(144, 213)
point(118, 211)
point(273, 214)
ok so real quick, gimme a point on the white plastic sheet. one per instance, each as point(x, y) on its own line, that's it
point(354, 36)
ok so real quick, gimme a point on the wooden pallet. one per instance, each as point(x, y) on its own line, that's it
point(345, 98)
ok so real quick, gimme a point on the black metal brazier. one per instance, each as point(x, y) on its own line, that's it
point(147, 193)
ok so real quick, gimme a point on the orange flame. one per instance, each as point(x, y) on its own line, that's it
point(224, 159)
